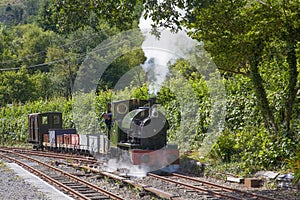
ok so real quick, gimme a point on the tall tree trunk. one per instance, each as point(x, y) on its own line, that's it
point(292, 91)
point(260, 92)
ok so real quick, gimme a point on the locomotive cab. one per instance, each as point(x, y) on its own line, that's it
point(40, 123)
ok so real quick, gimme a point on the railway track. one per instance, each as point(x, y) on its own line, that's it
point(244, 194)
point(67, 184)
point(144, 188)
point(174, 186)
point(70, 184)
point(207, 188)
point(49, 154)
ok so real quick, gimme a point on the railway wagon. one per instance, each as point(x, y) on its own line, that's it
point(93, 144)
point(61, 140)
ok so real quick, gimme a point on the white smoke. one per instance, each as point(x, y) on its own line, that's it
point(157, 53)
point(126, 168)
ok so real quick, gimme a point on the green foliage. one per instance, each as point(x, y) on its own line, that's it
point(295, 165)
point(58, 58)
point(84, 113)
point(254, 149)
point(241, 103)
point(239, 34)
point(21, 87)
point(121, 67)
point(43, 18)
point(225, 148)
point(25, 45)
point(184, 97)
point(102, 99)
point(71, 15)
point(33, 41)
point(7, 51)
point(13, 118)
point(141, 92)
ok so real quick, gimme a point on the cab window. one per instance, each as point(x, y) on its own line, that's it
point(56, 119)
point(44, 119)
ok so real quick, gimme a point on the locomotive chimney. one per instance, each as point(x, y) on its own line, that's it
point(152, 101)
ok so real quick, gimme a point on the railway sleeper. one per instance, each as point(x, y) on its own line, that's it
point(86, 191)
point(58, 177)
point(99, 198)
point(68, 183)
point(76, 186)
point(96, 195)
point(160, 193)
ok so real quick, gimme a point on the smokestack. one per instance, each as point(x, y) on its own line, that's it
point(152, 108)
point(152, 101)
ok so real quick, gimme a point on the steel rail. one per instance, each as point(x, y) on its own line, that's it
point(221, 186)
point(58, 156)
point(52, 154)
point(214, 193)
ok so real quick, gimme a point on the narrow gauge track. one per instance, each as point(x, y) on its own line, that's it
point(49, 154)
point(209, 188)
point(71, 184)
point(247, 194)
point(146, 188)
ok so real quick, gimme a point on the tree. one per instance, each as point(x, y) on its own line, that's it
point(62, 70)
point(43, 18)
point(32, 43)
point(237, 33)
point(120, 67)
point(21, 87)
point(71, 15)
point(7, 51)
point(16, 87)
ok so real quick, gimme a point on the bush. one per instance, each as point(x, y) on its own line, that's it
point(295, 166)
point(225, 148)
point(254, 148)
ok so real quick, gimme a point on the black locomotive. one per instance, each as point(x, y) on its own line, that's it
point(141, 130)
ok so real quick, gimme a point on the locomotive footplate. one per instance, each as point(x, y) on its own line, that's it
point(128, 146)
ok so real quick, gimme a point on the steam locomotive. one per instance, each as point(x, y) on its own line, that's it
point(138, 135)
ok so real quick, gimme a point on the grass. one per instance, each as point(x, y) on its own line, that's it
point(4, 168)
point(2, 164)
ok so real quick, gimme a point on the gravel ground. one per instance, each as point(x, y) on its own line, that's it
point(13, 187)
